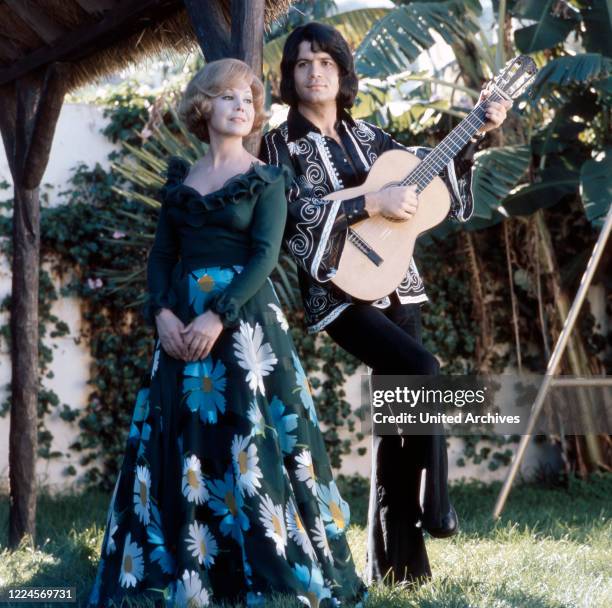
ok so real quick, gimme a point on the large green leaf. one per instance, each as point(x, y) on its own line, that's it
point(579, 69)
point(604, 86)
point(570, 119)
point(353, 25)
point(556, 138)
point(373, 96)
point(555, 184)
point(596, 187)
point(399, 38)
point(543, 35)
point(496, 172)
point(555, 20)
point(550, 29)
point(597, 31)
point(421, 115)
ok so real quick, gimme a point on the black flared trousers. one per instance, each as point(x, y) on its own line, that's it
point(389, 341)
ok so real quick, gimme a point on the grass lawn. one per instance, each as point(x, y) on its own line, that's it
point(552, 548)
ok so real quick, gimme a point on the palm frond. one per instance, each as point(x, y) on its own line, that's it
point(405, 32)
point(140, 174)
point(571, 70)
point(496, 172)
point(147, 155)
point(196, 148)
point(548, 30)
point(137, 196)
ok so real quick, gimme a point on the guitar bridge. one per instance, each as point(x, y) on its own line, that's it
point(354, 238)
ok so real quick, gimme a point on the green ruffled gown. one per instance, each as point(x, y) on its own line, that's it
point(226, 490)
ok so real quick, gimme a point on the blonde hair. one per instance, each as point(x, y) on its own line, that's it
point(215, 77)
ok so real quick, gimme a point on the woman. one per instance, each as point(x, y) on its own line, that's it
point(225, 491)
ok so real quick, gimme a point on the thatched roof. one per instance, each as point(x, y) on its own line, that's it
point(97, 37)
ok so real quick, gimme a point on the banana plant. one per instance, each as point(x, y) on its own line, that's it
point(573, 92)
point(570, 98)
point(567, 121)
point(405, 32)
point(596, 186)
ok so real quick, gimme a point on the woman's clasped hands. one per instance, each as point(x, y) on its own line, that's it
point(190, 342)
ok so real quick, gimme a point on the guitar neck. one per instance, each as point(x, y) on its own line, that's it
point(447, 149)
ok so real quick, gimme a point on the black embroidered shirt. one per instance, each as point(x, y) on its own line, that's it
point(316, 228)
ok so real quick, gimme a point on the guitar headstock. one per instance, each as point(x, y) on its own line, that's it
point(514, 78)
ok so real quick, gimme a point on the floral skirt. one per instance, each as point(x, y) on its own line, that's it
point(226, 490)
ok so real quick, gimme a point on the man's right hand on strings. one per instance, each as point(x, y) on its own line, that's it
point(394, 202)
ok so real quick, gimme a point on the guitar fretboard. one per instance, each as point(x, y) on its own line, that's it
point(447, 149)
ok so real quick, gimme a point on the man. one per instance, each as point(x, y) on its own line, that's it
point(329, 151)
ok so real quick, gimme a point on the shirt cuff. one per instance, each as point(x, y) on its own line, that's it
point(154, 303)
point(478, 136)
point(227, 308)
point(354, 209)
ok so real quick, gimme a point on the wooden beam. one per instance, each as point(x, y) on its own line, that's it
point(96, 6)
point(210, 27)
point(125, 20)
point(39, 21)
point(8, 123)
point(50, 104)
point(8, 49)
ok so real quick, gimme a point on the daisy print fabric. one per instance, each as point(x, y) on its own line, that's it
point(226, 491)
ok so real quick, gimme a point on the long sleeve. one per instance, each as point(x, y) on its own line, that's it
point(316, 227)
point(163, 256)
point(266, 233)
point(457, 175)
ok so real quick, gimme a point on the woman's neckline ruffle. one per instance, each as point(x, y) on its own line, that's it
point(175, 191)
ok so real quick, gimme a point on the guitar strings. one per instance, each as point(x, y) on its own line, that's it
point(423, 170)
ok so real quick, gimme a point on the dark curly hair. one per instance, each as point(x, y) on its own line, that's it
point(322, 38)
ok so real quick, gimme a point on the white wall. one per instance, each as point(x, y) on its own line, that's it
point(77, 139)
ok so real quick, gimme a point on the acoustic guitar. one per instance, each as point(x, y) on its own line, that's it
point(377, 251)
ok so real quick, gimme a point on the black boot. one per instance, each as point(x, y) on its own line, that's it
point(449, 525)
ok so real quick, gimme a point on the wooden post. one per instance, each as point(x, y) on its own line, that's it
point(243, 41)
point(211, 28)
point(248, 32)
point(247, 45)
point(29, 109)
